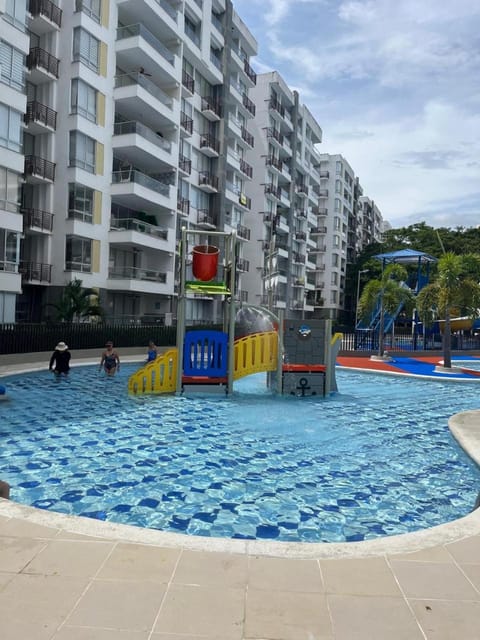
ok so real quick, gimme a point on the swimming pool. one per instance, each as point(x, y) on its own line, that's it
point(376, 459)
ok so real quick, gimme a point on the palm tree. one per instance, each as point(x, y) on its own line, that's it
point(387, 292)
point(76, 303)
point(455, 287)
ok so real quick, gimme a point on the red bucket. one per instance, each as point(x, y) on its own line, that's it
point(205, 262)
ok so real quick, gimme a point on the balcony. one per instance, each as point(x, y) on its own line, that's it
point(276, 163)
point(204, 219)
point(183, 206)
point(324, 174)
point(139, 191)
point(209, 145)
point(274, 104)
point(46, 15)
point(319, 211)
point(243, 266)
point(272, 190)
point(42, 65)
point(159, 15)
point(243, 232)
point(300, 236)
point(36, 219)
point(126, 233)
point(246, 168)
point(188, 83)
point(323, 193)
point(248, 104)
point(298, 258)
point(134, 93)
point(136, 143)
point(186, 123)
point(249, 71)
point(274, 134)
point(38, 170)
point(301, 213)
point(39, 118)
point(315, 231)
point(137, 273)
point(207, 182)
point(133, 224)
point(184, 165)
point(35, 272)
point(211, 108)
point(247, 137)
point(301, 189)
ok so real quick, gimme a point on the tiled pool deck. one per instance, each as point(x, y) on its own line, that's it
point(67, 578)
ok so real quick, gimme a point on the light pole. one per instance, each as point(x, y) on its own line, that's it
point(358, 294)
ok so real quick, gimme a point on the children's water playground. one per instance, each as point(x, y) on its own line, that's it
point(248, 435)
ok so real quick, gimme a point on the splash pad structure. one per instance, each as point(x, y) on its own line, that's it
point(298, 356)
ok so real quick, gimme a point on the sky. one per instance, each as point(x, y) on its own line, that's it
point(395, 86)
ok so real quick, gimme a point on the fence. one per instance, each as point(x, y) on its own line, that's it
point(367, 340)
point(29, 338)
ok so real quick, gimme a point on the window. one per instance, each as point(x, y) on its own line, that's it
point(82, 151)
point(12, 64)
point(338, 168)
point(10, 128)
point(80, 202)
point(336, 241)
point(336, 223)
point(90, 7)
point(333, 297)
point(335, 259)
point(84, 100)
point(334, 278)
point(9, 190)
point(9, 250)
point(86, 48)
point(338, 186)
point(338, 204)
point(15, 13)
point(78, 254)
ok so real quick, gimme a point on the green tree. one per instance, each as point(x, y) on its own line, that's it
point(455, 290)
point(76, 303)
point(388, 291)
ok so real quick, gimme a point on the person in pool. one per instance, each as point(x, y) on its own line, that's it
point(110, 360)
point(152, 352)
point(60, 360)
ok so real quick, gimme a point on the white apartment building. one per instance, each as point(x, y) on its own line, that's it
point(137, 123)
point(14, 46)
point(283, 253)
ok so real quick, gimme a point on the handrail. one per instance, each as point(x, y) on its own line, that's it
point(132, 175)
point(132, 126)
point(140, 30)
point(158, 376)
point(134, 224)
point(128, 79)
point(38, 57)
point(36, 111)
point(46, 8)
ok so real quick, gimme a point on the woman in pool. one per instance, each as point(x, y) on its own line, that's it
point(152, 352)
point(60, 360)
point(110, 360)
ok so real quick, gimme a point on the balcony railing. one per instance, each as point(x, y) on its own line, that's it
point(323, 193)
point(186, 122)
point(39, 58)
point(139, 30)
point(300, 213)
point(185, 165)
point(317, 230)
point(275, 134)
point(273, 190)
point(243, 265)
point(137, 273)
point(137, 78)
point(248, 104)
point(35, 271)
point(208, 179)
point(35, 166)
point(132, 126)
point(247, 137)
point(38, 112)
point(324, 174)
point(183, 205)
point(249, 71)
point(276, 106)
point(167, 7)
point(46, 8)
point(133, 224)
point(246, 168)
point(192, 34)
point(300, 236)
point(137, 177)
point(211, 104)
point(272, 161)
point(89, 9)
point(204, 217)
point(298, 258)
point(37, 219)
point(210, 142)
point(243, 232)
point(188, 82)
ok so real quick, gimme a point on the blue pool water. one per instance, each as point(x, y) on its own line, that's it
point(376, 459)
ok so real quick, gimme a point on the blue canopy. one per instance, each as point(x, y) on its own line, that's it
point(406, 256)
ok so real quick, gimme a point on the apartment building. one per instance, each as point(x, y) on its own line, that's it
point(14, 46)
point(285, 200)
point(136, 124)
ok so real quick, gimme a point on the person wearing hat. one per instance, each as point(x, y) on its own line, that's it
point(60, 359)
